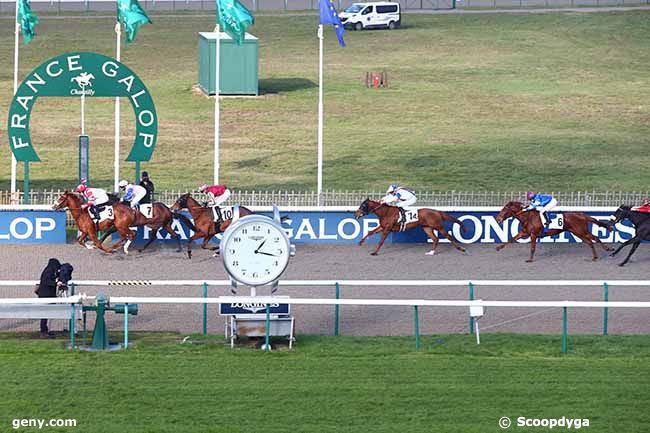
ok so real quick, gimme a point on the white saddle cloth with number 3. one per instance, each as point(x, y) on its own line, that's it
point(106, 214)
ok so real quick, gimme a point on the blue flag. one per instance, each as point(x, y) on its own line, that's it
point(328, 15)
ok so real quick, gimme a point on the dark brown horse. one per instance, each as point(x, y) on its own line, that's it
point(641, 221)
point(204, 225)
point(428, 219)
point(84, 222)
point(576, 223)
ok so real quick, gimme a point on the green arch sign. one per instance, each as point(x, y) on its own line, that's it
point(74, 74)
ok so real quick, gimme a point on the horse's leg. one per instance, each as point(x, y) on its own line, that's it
point(123, 236)
point(130, 238)
point(533, 246)
point(107, 233)
point(384, 235)
point(634, 247)
point(433, 237)
point(595, 239)
point(623, 245)
point(196, 235)
point(173, 234)
point(509, 241)
point(370, 233)
point(456, 245)
point(98, 244)
point(82, 240)
point(585, 239)
point(153, 234)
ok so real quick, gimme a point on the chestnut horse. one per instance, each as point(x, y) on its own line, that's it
point(428, 219)
point(84, 222)
point(576, 223)
point(204, 225)
point(641, 221)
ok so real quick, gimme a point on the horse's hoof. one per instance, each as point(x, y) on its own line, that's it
point(529, 261)
point(140, 251)
point(178, 250)
point(373, 254)
point(594, 259)
point(498, 248)
point(621, 264)
point(430, 253)
point(360, 243)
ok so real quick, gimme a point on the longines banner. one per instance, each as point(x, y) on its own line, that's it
point(73, 75)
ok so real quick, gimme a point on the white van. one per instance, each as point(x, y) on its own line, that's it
point(361, 16)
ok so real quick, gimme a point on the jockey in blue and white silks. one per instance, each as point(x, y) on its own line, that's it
point(400, 197)
point(134, 193)
point(542, 203)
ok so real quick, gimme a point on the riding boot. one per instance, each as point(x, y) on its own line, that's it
point(402, 219)
point(217, 224)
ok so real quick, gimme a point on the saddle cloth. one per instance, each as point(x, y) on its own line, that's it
point(106, 214)
point(557, 221)
point(146, 210)
point(226, 213)
point(410, 216)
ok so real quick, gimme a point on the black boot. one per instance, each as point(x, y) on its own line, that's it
point(402, 219)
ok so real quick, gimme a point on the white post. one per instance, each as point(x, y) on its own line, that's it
point(320, 116)
point(217, 67)
point(116, 163)
point(14, 163)
point(83, 110)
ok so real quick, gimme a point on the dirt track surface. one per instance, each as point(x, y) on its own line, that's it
point(397, 262)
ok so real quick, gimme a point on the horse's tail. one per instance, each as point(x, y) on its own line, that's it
point(593, 220)
point(184, 219)
point(447, 217)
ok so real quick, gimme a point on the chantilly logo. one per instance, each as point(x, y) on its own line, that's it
point(253, 308)
point(83, 80)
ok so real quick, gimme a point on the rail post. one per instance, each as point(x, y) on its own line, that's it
point(71, 326)
point(126, 326)
point(336, 311)
point(416, 324)
point(605, 310)
point(205, 309)
point(564, 330)
point(267, 327)
point(471, 298)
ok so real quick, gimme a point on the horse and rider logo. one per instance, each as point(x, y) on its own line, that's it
point(83, 80)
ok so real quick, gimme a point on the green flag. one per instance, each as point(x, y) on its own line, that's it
point(27, 20)
point(234, 19)
point(131, 16)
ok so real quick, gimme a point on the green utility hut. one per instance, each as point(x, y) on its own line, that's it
point(239, 65)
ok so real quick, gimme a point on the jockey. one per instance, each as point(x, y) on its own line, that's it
point(217, 194)
point(399, 196)
point(645, 206)
point(134, 193)
point(96, 198)
point(542, 203)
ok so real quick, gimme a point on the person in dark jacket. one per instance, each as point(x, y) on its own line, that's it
point(147, 184)
point(47, 289)
point(63, 277)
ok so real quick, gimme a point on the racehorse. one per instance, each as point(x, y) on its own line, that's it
point(428, 219)
point(641, 221)
point(576, 223)
point(204, 225)
point(161, 217)
point(84, 222)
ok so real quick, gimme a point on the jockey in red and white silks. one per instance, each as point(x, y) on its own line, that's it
point(95, 197)
point(217, 194)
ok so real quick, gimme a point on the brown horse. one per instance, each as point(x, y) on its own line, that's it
point(428, 219)
point(576, 223)
point(204, 225)
point(84, 222)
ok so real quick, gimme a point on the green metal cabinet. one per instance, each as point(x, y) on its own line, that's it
point(239, 65)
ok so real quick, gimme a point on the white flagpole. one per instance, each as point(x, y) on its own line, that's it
point(14, 163)
point(217, 67)
point(116, 163)
point(320, 116)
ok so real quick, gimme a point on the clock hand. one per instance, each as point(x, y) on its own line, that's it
point(261, 245)
point(267, 254)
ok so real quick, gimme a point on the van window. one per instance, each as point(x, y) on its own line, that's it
point(367, 10)
point(387, 9)
point(354, 8)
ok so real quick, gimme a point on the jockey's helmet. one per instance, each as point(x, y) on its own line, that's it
point(392, 188)
point(81, 187)
point(530, 195)
point(203, 187)
point(123, 183)
point(145, 175)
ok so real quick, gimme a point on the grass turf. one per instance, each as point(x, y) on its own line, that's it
point(332, 384)
point(476, 102)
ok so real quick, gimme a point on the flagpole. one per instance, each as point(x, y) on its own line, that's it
point(320, 116)
point(14, 163)
point(116, 162)
point(217, 67)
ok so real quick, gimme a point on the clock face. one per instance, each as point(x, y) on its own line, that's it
point(256, 251)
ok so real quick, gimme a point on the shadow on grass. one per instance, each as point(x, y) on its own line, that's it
point(281, 85)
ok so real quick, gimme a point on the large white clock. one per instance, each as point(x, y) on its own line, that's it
point(255, 250)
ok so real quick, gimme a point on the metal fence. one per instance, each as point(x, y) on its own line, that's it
point(354, 198)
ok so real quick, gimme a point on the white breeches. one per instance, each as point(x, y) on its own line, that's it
point(406, 203)
point(136, 198)
point(217, 201)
